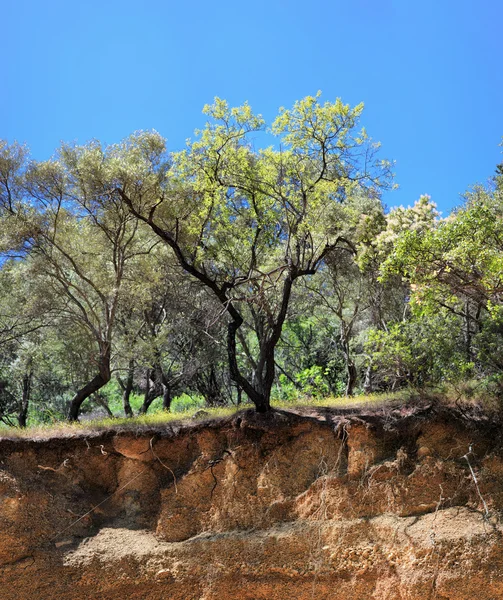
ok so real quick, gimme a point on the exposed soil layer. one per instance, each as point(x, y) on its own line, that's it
point(401, 504)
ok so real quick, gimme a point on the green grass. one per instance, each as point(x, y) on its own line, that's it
point(364, 400)
point(160, 417)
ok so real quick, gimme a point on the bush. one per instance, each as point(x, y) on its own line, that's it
point(186, 402)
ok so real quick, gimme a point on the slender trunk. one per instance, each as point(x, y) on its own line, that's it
point(468, 331)
point(100, 401)
point(101, 379)
point(289, 377)
point(368, 384)
point(22, 417)
point(352, 377)
point(478, 322)
point(165, 385)
point(128, 388)
point(208, 386)
point(149, 396)
point(351, 371)
point(166, 397)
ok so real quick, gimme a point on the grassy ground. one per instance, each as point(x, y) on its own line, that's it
point(159, 417)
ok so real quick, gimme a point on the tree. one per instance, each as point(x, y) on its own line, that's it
point(79, 244)
point(248, 224)
point(455, 265)
point(347, 288)
point(421, 350)
point(456, 262)
point(167, 336)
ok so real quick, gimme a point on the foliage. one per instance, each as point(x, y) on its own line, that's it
point(133, 279)
point(420, 351)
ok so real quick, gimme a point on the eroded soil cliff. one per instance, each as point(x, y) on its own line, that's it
point(405, 504)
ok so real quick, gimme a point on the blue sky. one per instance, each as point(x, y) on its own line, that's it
point(429, 72)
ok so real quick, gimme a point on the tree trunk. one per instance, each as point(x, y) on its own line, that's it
point(128, 388)
point(368, 385)
point(166, 398)
point(101, 401)
point(101, 379)
point(208, 386)
point(264, 375)
point(350, 365)
point(149, 395)
point(22, 417)
point(264, 404)
point(468, 331)
point(259, 391)
point(352, 377)
point(261, 400)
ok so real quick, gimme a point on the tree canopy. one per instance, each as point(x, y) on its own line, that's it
point(130, 273)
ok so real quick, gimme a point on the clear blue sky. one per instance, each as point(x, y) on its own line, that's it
point(430, 73)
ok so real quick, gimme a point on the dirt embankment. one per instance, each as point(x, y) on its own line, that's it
point(400, 505)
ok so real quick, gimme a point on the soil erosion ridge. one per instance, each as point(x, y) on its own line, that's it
point(397, 504)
